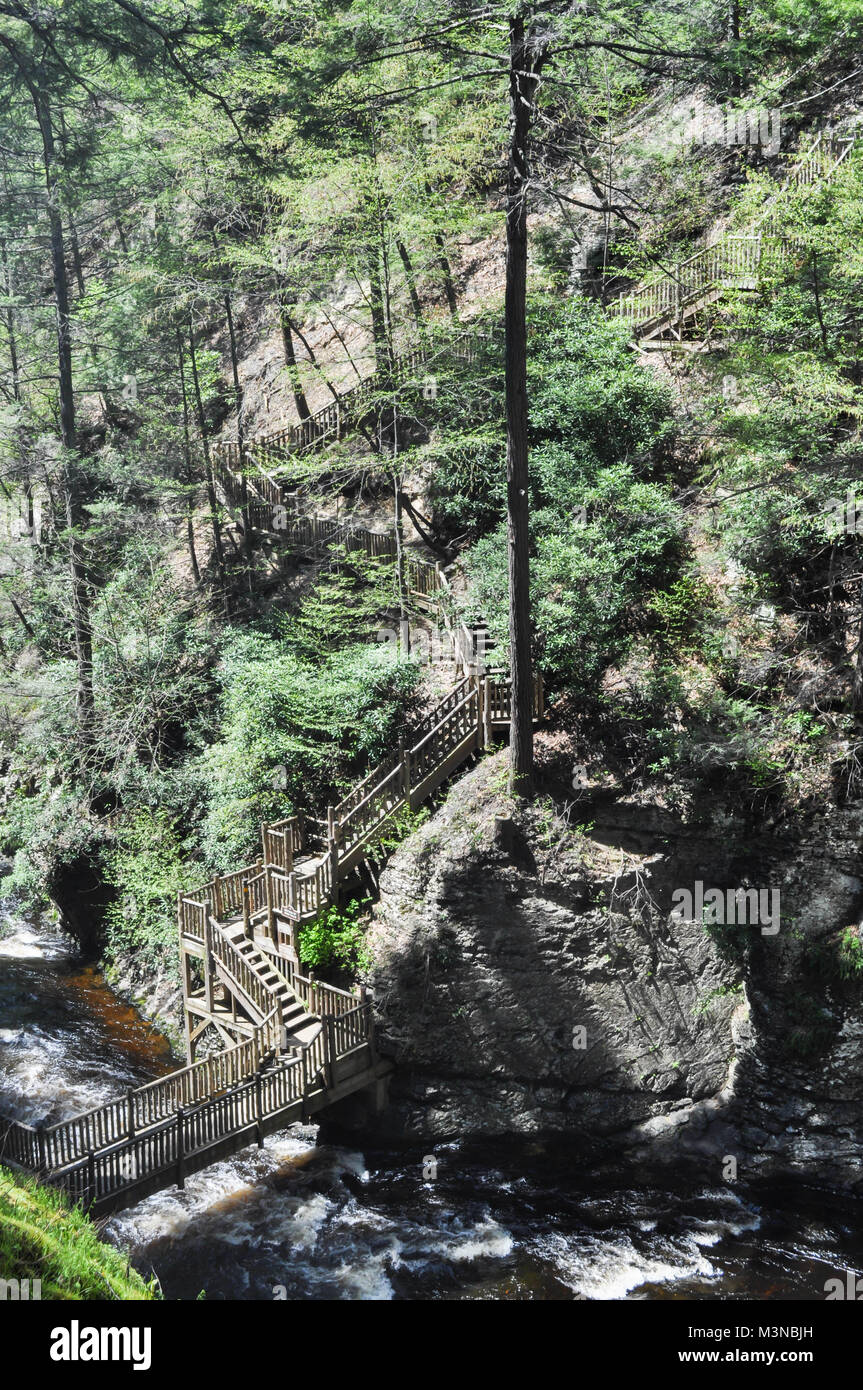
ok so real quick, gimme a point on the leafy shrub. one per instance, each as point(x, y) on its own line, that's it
point(147, 867)
point(336, 938)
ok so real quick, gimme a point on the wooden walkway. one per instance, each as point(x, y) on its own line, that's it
point(265, 453)
point(282, 1045)
point(157, 1135)
point(662, 308)
point(289, 1045)
point(264, 903)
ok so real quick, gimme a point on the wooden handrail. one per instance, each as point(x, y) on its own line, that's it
point(333, 418)
point(658, 303)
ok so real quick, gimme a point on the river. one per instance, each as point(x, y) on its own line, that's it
point(303, 1220)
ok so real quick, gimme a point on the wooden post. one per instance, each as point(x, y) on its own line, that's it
point(130, 1117)
point(370, 1031)
point(333, 841)
point(189, 1028)
point(328, 1022)
point(259, 1111)
point(305, 1109)
point(218, 904)
point(486, 710)
point(91, 1178)
point(40, 1141)
point(407, 773)
point(480, 717)
point(271, 916)
point(289, 849)
point(208, 963)
point(264, 846)
point(181, 1148)
point(247, 916)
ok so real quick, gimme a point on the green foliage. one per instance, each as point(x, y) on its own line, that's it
point(343, 607)
point(850, 954)
point(42, 1237)
point(678, 609)
point(398, 827)
point(293, 733)
point(336, 939)
point(605, 529)
point(147, 867)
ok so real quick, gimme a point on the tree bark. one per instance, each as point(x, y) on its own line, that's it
point(383, 346)
point(446, 269)
point(12, 343)
point(248, 544)
point(286, 325)
point(410, 279)
point(524, 66)
point(733, 28)
point(208, 467)
point(187, 454)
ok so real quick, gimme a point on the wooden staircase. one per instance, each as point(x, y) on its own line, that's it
point(663, 308)
point(263, 453)
point(258, 910)
point(284, 1044)
point(304, 1046)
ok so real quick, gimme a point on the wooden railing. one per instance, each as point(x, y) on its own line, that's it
point(56, 1146)
point(272, 893)
point(731, 263)
point(160, 1133)
point(282, 840)
point(264, 451)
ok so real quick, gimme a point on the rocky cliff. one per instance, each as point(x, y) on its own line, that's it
point(530, 978)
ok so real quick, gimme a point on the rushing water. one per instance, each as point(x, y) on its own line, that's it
point(303, 1220)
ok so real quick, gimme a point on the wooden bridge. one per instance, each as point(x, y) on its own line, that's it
point(663, 307)
point(256, 911)
point(157, 1135)
point(289, 1045)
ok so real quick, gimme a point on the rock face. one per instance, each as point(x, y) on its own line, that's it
point(530, 978)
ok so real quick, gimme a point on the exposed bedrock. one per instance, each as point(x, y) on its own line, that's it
point(529, 978)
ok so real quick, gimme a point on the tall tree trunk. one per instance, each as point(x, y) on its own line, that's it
point(733, 29)
point(74, 246)
point(379, 323)
point(286, 304)
point(524, 66)
point(411, 281)
point(12, 344)
point(187, 454)
point(383, 347)
point(73, 483)
point(208, 468)
point(124, 245)
point(404, 622)
point(248, 544)
point(446, 269)
point(443, 262)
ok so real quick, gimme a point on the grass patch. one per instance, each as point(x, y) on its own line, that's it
point(43, 1237)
